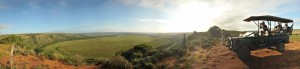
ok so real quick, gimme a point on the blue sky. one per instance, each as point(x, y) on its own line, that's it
point(75, 16)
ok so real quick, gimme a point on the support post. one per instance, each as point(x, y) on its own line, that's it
point(12, 56)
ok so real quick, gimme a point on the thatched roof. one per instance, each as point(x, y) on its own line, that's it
point(269, 18)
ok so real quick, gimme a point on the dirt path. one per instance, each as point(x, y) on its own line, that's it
point(220, 57)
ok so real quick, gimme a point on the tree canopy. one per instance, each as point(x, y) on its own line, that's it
point(12, 39)
point(214, 31)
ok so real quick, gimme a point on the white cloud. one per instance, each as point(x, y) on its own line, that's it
point(232, 11)
point(239, 10)
point(3, 26)
point(163, 5)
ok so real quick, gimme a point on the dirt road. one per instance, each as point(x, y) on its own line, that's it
point(220, 57)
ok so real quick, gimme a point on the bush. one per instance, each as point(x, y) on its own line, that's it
point(138, 51)
point(144, 56)
point(48, 53)
point(38, 50)
point(95, 61)
point(4, 67)
point(117, 62)
point(76, 60)
point(148, 65)
point(63, 55)
point(24, 52)
point(214, 31)
point(161, 66)
point(208, 42)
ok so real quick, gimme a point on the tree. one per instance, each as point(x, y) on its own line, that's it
point(214, 31)
point(13, 40)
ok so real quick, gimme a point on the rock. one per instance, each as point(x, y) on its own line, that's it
point(232, 57)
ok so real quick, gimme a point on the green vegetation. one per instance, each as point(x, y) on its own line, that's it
point(42, 40)
point(142, 57)
point(107, 46)
point(106, 51)
point(11, 39)
point(38, 40)
point(205, 39)
point(117, 62)
point(63, 55)
point(214, 31)
point(295, 37)
point(296, 31)
point(75, 60)
point(14, 41)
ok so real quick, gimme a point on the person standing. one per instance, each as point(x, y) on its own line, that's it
point(184, 41)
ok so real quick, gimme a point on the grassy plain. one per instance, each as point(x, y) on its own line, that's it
point(108, 46)
point(296, 35)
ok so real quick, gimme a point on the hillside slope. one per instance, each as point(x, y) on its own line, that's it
point(43, 39)
point(31, 61)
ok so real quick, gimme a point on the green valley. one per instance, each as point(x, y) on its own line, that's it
point(108, 46)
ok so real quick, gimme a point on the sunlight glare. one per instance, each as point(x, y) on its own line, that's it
point(192, 16)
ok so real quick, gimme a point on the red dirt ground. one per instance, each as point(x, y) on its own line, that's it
point(220, 57)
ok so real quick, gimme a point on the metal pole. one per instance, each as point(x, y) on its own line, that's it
point(258, 27)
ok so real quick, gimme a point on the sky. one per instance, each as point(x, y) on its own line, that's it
point(160, 16)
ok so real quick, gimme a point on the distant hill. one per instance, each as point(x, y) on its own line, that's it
point(43, 39)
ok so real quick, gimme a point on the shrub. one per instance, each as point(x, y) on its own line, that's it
point(148, 65)
point(41, 67)
point(117, 62)
point(195, 42)
point(161, 66)
point(63, 55)
point(76, 60)
point(95, 61)
point(214, 31)
point(138, 51)
point(144, 56)
point(38, 50)
point(204, 42)
point(24, 52)
point(4, 67)
point(48, 53)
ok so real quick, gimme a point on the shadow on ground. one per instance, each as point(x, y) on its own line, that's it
point(289, 59)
